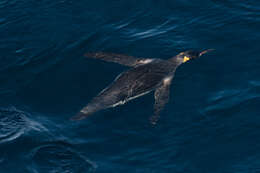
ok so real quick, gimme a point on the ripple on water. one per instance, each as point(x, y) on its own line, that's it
point(60, 158)
point(14, 123)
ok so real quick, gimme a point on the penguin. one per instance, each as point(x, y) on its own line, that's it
point(144, 76)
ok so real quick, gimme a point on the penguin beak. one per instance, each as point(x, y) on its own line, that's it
point(206, 51)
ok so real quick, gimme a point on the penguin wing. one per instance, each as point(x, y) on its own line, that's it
point(161, 96)
point(126, 60)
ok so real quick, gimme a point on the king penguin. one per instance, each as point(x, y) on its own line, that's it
point(145, 75)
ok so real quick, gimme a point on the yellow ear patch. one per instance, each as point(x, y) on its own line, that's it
point(186, 59)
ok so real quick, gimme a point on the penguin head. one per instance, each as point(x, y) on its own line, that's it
point(192, 54)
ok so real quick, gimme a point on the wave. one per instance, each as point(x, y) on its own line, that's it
point(59, 157)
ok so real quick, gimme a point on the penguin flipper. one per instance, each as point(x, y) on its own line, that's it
point(161, 96)
point(125, 60)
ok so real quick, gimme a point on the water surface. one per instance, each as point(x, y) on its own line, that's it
point(211, 123)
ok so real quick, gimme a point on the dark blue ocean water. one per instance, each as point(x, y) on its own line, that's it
point(211, 123)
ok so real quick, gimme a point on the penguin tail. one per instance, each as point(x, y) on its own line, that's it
point(80, 116)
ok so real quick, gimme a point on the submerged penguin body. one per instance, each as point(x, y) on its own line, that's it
point(129, 85)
